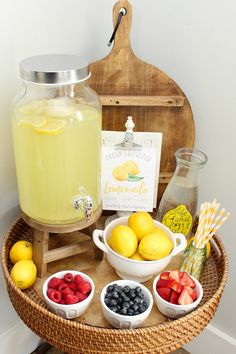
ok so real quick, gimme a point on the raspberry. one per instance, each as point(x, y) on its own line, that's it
point(54, 295)
point(84, 287)
point(78, 279)
point(72, 286)
point(54, 283)
point(80, 296)
point(71, 299)
point(62, 286)
point(67, 291)
point(68, 277)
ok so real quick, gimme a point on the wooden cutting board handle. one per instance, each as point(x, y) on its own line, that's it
point(122, 37)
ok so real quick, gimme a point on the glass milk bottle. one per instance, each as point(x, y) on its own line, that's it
point(56, 123)
point(179, 202)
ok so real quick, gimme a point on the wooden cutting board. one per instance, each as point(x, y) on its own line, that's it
point(129, 86)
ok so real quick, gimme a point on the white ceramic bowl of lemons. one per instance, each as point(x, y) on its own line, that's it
point(119, 244)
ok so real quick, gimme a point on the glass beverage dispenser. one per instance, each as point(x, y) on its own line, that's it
point(57, 140)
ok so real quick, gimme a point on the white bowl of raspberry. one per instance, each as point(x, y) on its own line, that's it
point(126, 303)
point(68, 293)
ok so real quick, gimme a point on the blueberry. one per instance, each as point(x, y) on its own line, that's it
point(106, 300)
point(114, 309)
point(119, 300)
point(135, 307)
point(126, 304)
point(126, 298)
point(137, 300)
point(141, 295)
point(138, 289)
point(110, 288)
point(126, 289)
point(115, 295)
point(122, 294)
point(123, 311)
point(142, 308)
point(136, 313)
point(130, 312)
point(108, 296)
point(119, 289)
point(112, 302)
point(132, 294)
point(145, 304)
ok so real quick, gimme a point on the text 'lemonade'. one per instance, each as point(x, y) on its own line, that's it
point(57, 151)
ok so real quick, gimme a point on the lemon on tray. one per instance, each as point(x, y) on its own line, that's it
point(24, 273)
point(123, 240)
point(155, 245)
point(21, 250)
point(141, 223)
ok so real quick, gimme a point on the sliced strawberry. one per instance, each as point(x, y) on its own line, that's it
point(165, 283)
point(177, 287)
point(174, 297)
point(164, 293)
point(192, 292)
point(180, 274)
point(164, 275)
point(185, 298)
point(186, 280)
point(174, 274)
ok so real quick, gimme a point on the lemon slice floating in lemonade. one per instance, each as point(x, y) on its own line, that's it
point(33, 121)
point(53, 126)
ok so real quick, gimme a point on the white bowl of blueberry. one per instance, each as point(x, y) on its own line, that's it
point(126, 303)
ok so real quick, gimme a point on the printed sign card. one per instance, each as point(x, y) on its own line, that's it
point(130, 175)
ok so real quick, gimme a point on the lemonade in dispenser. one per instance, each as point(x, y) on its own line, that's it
point(57, 140)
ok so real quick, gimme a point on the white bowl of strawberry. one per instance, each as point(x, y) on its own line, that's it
point(176, 293)
point(68, 293)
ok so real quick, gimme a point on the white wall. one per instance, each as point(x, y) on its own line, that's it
point(192, 41)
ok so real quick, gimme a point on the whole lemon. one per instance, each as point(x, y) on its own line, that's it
point(154, 246)
point(123, 240)
point(21, 250)
point(141, 223)
point(136, 256)
point(23, 273)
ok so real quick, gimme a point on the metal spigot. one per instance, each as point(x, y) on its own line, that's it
point(85, 203)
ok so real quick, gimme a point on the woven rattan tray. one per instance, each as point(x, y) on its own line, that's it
point(164, 336)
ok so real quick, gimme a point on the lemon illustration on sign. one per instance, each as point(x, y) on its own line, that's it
point(120, 173)
point(141, 223)
point(131, 167)
point(21, 250)
point(123, 240)
point(178, 220)
point(208, 246)
point(24, 273)
point(156, 245)
point(137, 257)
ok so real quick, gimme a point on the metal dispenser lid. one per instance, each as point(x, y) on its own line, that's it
point(54, 69)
